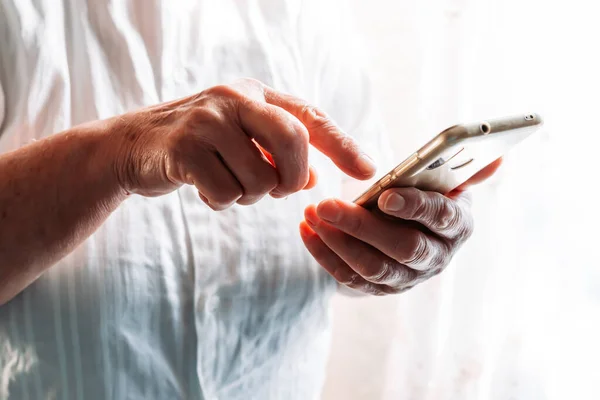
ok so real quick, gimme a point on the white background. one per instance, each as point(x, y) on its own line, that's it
point(517, 315)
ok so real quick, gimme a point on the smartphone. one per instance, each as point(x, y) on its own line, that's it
point(454, 156)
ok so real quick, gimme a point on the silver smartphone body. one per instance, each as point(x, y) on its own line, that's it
point(454, 156)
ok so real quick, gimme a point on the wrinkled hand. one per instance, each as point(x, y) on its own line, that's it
point(410, 238)
point(234, 143)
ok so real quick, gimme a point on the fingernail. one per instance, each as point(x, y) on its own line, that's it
point(330, 212)
point(394, 202)
point(366, 165)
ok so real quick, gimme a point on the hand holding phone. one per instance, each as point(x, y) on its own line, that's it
point(425, 228)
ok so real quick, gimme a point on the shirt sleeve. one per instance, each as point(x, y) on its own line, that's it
point(335, 60)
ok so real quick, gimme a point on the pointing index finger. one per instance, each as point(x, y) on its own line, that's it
point(325, 135)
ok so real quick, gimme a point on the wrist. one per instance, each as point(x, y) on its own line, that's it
point(138, 156)
point(117, 147)
point(107, 157)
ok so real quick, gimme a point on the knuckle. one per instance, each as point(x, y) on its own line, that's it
point(382, 274)
point(220, 91)
point(461, 224)
point(204, 115)
point(350, 279)
point(301, 133)
point(405, 276)
point(447, 217)
point(293, 141)
point(416, 249)
point(348, 143)
point(294, 135)
point(438, 260)
point(308, 113)
point(295, 178)
point(373, 290)
point(418, 206)
point(314, 118)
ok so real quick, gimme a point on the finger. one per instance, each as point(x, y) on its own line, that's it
point(480, 176)
point(267, 155)
point(440, 214)
point(284, 137)
point(406, 245)
point(367, 261)
point(325, 135)
point(313, 176)
point(249, 165)
point(333, 264)
point(215, 183)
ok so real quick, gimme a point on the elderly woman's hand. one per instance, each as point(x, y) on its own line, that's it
point(236, 143)
point(411, 238)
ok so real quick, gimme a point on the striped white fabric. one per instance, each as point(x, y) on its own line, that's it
point(169, 299)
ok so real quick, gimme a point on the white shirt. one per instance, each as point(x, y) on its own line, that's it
point(169, 299)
